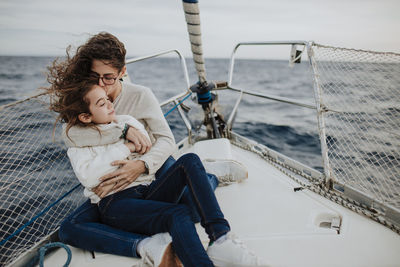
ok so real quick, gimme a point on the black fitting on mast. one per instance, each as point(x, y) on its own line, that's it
point(203, 91)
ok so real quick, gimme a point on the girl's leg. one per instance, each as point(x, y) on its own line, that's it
point(83, 229)
point(150, 217)
point(186, 197)
point(189, 171)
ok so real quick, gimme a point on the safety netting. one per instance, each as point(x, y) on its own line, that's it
point(37, 187)
point(358, 93)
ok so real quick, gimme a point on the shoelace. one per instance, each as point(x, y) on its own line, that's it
point(145, 262)
point(226, 179)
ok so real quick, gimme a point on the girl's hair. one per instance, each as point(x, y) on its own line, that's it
point(70, 80)
point(70, 101)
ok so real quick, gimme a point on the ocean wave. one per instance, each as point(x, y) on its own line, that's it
point(12, 76)
point(302, 146)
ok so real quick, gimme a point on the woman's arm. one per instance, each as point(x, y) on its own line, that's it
point(90, 137)
point(164, 145)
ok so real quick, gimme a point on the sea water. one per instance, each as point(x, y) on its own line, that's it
point(285, 128)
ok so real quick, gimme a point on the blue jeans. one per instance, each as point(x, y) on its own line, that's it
point(154, 208)
point(84, 228)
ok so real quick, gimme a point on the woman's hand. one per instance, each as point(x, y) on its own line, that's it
point(102, 191)
point(141, 142)
point(128, 172)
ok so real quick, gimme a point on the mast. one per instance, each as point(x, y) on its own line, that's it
point(213, 121)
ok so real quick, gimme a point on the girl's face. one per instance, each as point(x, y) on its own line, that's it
point(100, 107)
point(109, 77)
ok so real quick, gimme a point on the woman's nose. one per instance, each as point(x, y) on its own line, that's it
point(109, 104)
point(101, 83)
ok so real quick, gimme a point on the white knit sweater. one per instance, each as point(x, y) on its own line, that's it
point(92, 162)
point(139, 102)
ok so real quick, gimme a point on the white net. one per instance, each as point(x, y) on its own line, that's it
point(36, 177)
point(361, 93)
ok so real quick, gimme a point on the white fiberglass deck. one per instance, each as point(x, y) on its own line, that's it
point(279, 224)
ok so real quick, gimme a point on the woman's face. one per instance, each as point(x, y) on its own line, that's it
point(100, 107)
point(108, 74)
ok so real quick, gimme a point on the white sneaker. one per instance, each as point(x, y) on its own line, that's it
point(157, 251)
point(233, 253)
point(228, 171)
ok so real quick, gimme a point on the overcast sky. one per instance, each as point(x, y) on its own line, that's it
point(46, 27)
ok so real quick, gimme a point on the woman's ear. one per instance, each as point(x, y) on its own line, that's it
point(123, 72)
point(85, 117)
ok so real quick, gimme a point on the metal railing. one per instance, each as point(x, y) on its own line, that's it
point(294, 44)
point(306, 44)
point(265, 96)
point(174, 99)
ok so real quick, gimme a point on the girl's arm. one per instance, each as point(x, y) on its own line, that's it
point(89, 137)
point(90, 163)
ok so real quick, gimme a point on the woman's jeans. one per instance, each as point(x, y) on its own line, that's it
point(84, 228)
point(153, 209)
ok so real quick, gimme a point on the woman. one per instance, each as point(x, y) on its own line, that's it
point(104, 56)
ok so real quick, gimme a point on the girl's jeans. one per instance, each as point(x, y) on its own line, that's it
point(153, 209)
point(84, 228)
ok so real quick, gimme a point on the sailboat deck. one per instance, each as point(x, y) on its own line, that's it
point(285, 227)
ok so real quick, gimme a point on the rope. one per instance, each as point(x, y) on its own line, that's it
point(43, 250)
point(174, 107)
point(37, 216)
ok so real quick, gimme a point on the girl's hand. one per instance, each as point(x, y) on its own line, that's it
point(130, 146)
point(141, 142)
point(128, 172)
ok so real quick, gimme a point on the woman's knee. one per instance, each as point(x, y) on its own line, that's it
point(65, 232)
point(190, 162)
point(86, 213)
point(189, 158)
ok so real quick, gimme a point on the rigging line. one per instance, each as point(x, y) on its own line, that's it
point(21, 101)
point(280, 99)
point(37, 216)
point(14, 182)
point(174, 107)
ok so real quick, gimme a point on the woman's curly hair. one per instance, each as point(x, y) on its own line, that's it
point(71, 79)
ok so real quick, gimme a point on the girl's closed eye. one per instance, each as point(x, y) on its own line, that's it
point(101, 109)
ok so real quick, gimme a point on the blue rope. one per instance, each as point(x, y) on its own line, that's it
point(174, 107)
point(43, 250)
point(37, 216)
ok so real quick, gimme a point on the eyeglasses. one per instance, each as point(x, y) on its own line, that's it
point(108, 79)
